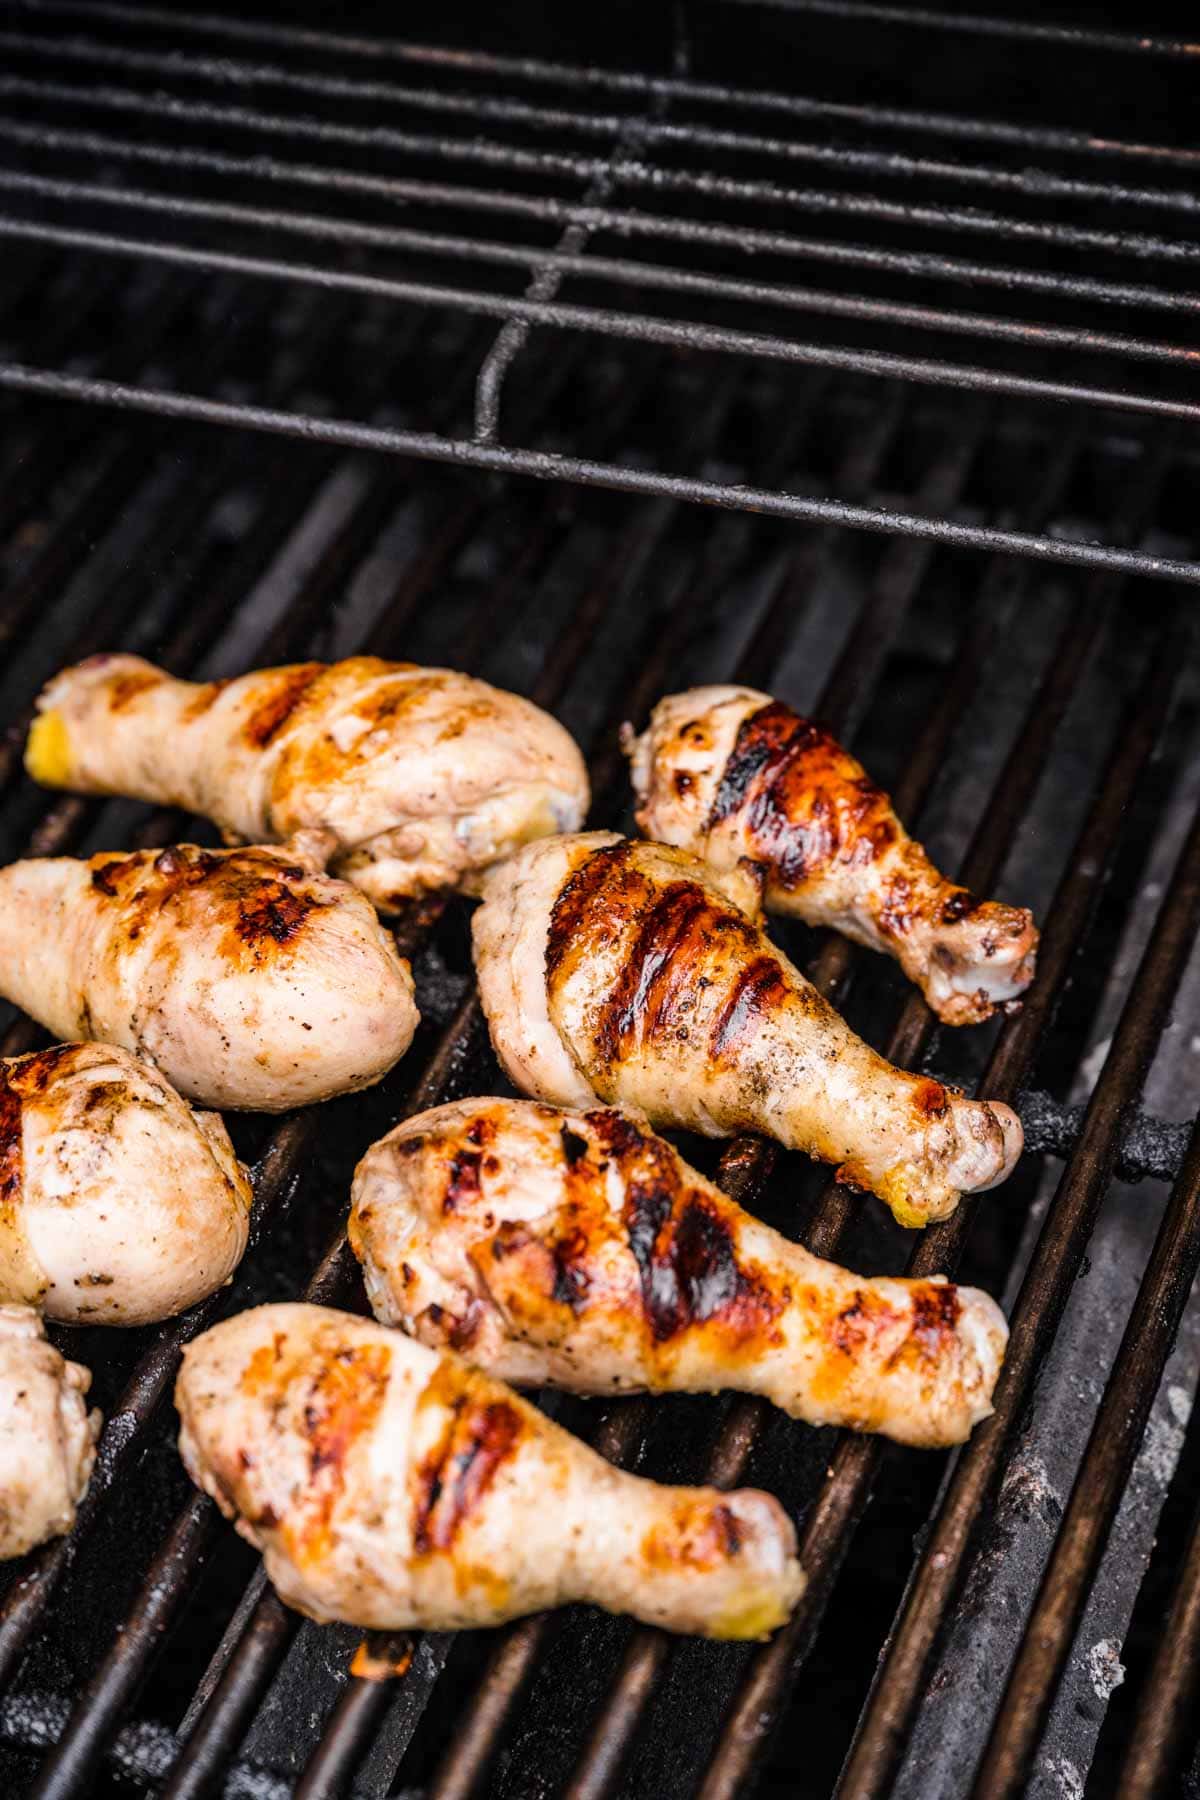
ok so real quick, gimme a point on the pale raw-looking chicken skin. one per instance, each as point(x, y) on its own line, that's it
point(397, 1488)
point(121, 1206)
point(251, 979)
point(419, 778)
point(577, 1248)
point(740, 779)
point(623, 972)
point(47, 1436)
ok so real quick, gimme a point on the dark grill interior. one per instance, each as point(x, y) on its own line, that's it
point(817, 264)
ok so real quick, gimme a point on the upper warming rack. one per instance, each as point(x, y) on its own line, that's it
point(799, 223)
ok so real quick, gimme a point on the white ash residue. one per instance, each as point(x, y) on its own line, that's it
point(1105, 1668)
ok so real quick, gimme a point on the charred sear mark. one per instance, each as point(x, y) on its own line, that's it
point(575, 1148)
point(454, 1476)
point(758, 990)
point(203, 700)
point(572, 1280)
point(462, 1183)
point(655, 993)
point(272, 913)
point(123, 690)
point(931, 1099)
point(11, 1156)
point(20, 1081)
point(856, 1328)
point(960, 905)
point(698, 1535)
point(343, 1403)
point(283, 693)
point(569, 916)
point(804, 802)
point(684, 1249)
point(253, 889)
point(936, 1312)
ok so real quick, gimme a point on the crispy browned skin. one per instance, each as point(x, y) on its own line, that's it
point(416, 778)
point(577, 1248)
point(393, 1487)
point(622, 971)
point(250, 977)
point(735, 776)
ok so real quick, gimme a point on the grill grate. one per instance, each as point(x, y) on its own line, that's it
point(705, 187)
point(1014, 709)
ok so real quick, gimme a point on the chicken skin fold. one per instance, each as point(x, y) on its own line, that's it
point(121, 1206)
point(418, 778)
point(740, 779)
point(249, 978)
point(623, 972)
point(47, 1436)
point(578, 1249)
point(396, 1488)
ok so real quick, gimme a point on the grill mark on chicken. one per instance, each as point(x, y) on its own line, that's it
point(273, 911)
point(852, 1330)
point(204, 699)
point(20, 1081)
point(265, 907)
point(936, 1312)
point(123, 690)
point(452, 1479)
point(931, 1099)
point(699, 1535)
point(279, 702)
point(462, 1185)
point(344, 1400)
point(686, 1256)
point(578, 894)
point(805, 802)
point(758, 989)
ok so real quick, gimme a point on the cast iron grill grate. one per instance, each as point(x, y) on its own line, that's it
point(1040, 724)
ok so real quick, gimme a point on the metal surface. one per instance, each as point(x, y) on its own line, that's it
point(658, 167)
point(1013, 706)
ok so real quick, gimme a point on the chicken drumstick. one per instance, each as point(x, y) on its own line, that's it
point(622, 972)
point(248, 977)
point(735, 776)
point(395, 1488)
point(418, 777)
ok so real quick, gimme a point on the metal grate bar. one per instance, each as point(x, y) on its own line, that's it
point(1165, 1719)
point(884, 1721)
point(607, 322)
point(539, 69)
point(1018, 30)
point(495, 154)
point(626, 270)
point(1096, 1495)
point(1042, 185)
point(626, 222)
point(547, 466)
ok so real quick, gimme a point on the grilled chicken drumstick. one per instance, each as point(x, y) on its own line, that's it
point(249, 978)
point(47, 1436)
point(394, 1488)
point(577, 1248)
point(619, 971)
point(121, 1205)
point(735, 776)
point(420, 777)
